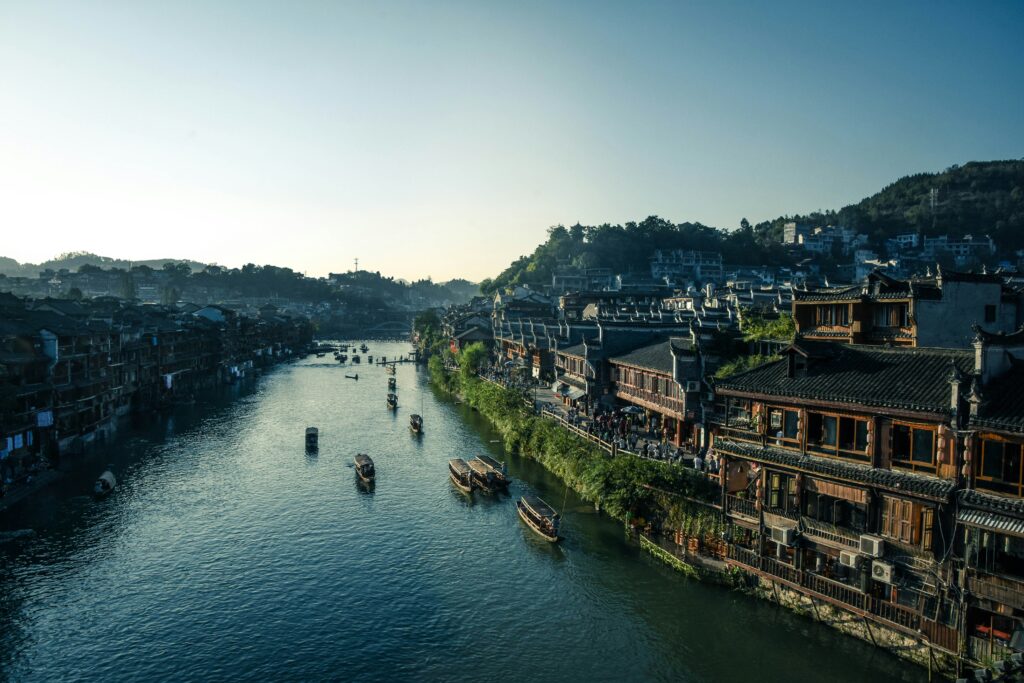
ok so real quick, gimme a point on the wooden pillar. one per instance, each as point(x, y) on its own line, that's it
point(679, 432)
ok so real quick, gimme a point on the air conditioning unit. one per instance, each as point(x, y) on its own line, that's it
point(783, 536)
point(883, 571)
point(872, 545)
point(692, 386)
point(848, 558)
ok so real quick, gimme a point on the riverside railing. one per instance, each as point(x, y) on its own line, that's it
point(890, 614)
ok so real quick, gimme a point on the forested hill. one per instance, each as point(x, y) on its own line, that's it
point(985, 197)
point(74, 260)
point(982, 197)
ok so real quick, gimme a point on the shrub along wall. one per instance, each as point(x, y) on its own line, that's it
point(626, 487)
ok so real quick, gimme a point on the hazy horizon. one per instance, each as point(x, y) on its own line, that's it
point(444, 139)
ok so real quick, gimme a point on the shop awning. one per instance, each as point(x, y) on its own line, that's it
point(575, 393)
point(841, 491)
point(560, 388)
point(991, 521)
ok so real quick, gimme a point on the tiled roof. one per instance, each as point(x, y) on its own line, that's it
point(904, 482)
point(906, 378)
point(1003, 406)
point(656, 356)
point(991, 502)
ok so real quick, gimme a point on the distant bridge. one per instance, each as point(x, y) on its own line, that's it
point(393, 327)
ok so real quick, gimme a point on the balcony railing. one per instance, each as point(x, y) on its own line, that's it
point(829, 532)
point(891, 614)
point(742, 506)
point(998, 589)
point(652, 398)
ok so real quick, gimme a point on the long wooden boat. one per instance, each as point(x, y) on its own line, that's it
point(312, 438)
point(355, 358)
point(392, 384)
point(391, 369)
point(364, 348)
point(539, 516)
point(364, 468)
point(392, 401)
point(460, 474)
point(416, 423)
point(483, 475)
point(499, 468)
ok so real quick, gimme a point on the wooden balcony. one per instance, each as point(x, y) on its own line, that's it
point(742, 507)
point(890, 614)
point(1005, 591)
point(652, 400)
point(829, 533)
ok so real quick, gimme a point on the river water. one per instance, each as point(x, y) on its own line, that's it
point(227, 553)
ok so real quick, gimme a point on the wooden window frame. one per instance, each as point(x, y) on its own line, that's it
point(910, 463)
point(834, 451)
point(1001, 485)
point(908, 522)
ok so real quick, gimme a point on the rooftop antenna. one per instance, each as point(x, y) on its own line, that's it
point(357, 265)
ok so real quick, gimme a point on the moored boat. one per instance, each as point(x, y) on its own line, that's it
point(312, 438)
point(484, 476)
point(496, 474)
point(460, 474)
point(539, 516)
point(105, 483)
point(364, 348)
point(355, 358)
point(369, 359)
point(416, 423)
point(364, 468)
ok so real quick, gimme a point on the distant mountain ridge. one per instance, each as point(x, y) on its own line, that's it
point(73, 260)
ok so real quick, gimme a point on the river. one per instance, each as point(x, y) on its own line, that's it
point(227, 553)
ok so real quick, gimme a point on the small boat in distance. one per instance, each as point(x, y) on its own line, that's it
point(369, 359)
point(104, 484)
point(355, 358)
point(416, 423)
point(392, 384)
point(355, 377)
point(392, 400)
point(391, 369)
point(489, 472)
point(539, 516)
point(364, 468)
point(460, 474)
point(312, 438)
point(364, 348)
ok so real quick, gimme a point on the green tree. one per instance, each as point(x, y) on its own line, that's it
point(471, 359)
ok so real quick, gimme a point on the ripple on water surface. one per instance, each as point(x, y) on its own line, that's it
point(228, 553)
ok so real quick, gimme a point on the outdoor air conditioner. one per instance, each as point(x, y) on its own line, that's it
point(783, 536)
point(883, 571)
point(848, 558)
point(872, 545)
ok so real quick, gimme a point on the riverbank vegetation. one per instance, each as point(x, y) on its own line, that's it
point(631, 489)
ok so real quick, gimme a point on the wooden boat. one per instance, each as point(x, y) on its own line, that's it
point(104, 484)
point(392, 400)
point(369, 359)
point(312, 438)
point(355, 359)
point(460, 474)
point(340, 357)
point(484, 476)
point(355, 377)
point(364, 468)
point(416, 423)
point(539, 516)
point(392, 384)
point(498, 472)
point(391, 369)
point(320, 355)
point(364, 348)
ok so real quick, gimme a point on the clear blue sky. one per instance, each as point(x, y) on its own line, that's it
point(443, 138)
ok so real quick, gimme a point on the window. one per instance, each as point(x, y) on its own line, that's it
point(891, 315)
point(990, 313)
point(832, 314)
point(836, 511)
point(782, 493)
point(782, 426)
point(913, 447)
point(740, 413)
point(1000, 468)
point(907, 522)
point(840, 436)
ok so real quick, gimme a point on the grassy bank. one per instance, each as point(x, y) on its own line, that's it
point(628, 488)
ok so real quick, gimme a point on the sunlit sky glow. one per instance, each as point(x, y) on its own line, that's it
point(443, 138)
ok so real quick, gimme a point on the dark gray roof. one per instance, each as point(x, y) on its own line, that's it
point(906, 378)
point(1003, 406)
point(903, 482)
point(656, 356)
point(991, 502)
